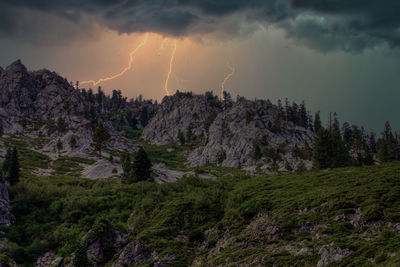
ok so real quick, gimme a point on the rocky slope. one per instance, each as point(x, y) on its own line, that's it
point(237, 131)
point(228, 134)
point(43, 104)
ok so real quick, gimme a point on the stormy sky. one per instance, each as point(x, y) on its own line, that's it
point(337, 55)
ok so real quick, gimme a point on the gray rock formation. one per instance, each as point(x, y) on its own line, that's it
point(102, 245)
point(6, 218)
point(228, 132)
point(31, 100)
point(175, 114)
point(331, 254)
point(49, 259)
point(131, 254)
point(236, 131)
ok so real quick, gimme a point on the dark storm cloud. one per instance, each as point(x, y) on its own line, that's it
point(321, 24)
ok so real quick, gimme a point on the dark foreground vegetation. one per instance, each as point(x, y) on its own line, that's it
point(186, 221)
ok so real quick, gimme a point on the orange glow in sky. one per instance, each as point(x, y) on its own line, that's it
point(152, 65)
point(131, 56)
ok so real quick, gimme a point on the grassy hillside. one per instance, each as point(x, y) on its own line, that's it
point(285, 219)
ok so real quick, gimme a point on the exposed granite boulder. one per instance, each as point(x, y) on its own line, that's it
point(331, 254)
point(103, 242)
point(132, 254)
point(49, 259)
point(165, 175)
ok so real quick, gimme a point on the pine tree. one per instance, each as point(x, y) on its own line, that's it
point(62, 125)
point(317, 122)
point(6, 162)
point(335, 124)
point(368, 157)
point(303, 118)
point(59, 145)
point(347, 134)
point(72, 142)
point(81, 259)
point(126, 163)
point(144, 117)
point(330, 150)
point(100, 136)
point(141, 166)
point(138, 169)
point(257, 152)
point(181, 137)
point(12, 174)
point(189, 132)
point(386, 145)
point(321, 151)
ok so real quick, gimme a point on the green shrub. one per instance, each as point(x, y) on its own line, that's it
point(372, 213)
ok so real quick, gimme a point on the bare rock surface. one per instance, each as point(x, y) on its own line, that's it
point(236, 131)
point(49, 259)
point(331, 254)
point(101, 169)
point(165, 175)
point(175, 114)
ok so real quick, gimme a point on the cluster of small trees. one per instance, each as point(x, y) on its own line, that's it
point(117, 108)
point(60, 126)
point(11, 166)
point(136, 168)
point(388, 146)
point(295, 113)
point(182, 138)
point(353, 146)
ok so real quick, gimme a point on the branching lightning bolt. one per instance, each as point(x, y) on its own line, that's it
point(171, 65)
point(226, 79)
point(131, 56)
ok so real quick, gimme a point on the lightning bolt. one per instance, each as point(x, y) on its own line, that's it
point(131, 56)
point(226, 79)
point(171, 65)
point(162, 46)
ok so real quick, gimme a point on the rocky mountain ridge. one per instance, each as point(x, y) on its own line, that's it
point(254, 135)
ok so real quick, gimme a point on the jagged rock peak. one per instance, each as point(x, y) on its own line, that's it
point(16, 66)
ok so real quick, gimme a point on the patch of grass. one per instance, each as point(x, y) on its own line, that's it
point(173, 159)
point(29, 159)
point(70, 165)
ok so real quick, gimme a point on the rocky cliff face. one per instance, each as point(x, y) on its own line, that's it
point(31, 103)
point(237, 132)
point(231, 132)
point(35, 95)
point(178, 113)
